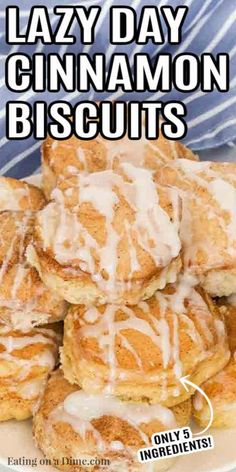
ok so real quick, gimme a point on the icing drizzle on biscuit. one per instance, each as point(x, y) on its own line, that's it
point(208, 228)
point(22, 294)
point(161, 320)
point(80, 409)
point(146, 226)
point(23, 374)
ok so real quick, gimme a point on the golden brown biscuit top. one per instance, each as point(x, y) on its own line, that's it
point(21, 288)
point(102, 421)
point(17, 195)
point(171, 333)
point(73, 155)
point(221, 388)
point(208, 231)
point(23, 352)
point(113, 226)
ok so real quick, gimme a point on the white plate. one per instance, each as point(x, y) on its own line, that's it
point(16, 441)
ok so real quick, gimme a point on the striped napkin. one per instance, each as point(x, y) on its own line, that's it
point(210, 26)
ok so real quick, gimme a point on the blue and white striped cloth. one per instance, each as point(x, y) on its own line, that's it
point(210, 26)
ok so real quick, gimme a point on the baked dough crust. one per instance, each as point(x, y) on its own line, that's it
point(61, 159)
point(16, 195)
point(140, 353)
point(208, 227)
point(24, 300)
point(108, 237)
point(26, 359)
point(108, 435)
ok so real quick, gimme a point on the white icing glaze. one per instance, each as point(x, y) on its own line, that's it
point(210, 187)
point(136, 152)
point(73, 244)
point(80, 409)
point(13, 351)
point(22, 227)
point(31, 389)
point(91, 315)
point(82, 157)
point(116, 445)
point(161, 326)
point(21, 298)
point(12, 343)
point(72, 170)
point(11, 197)
point(54, 144)
point(225, 195)
point(88, 407)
